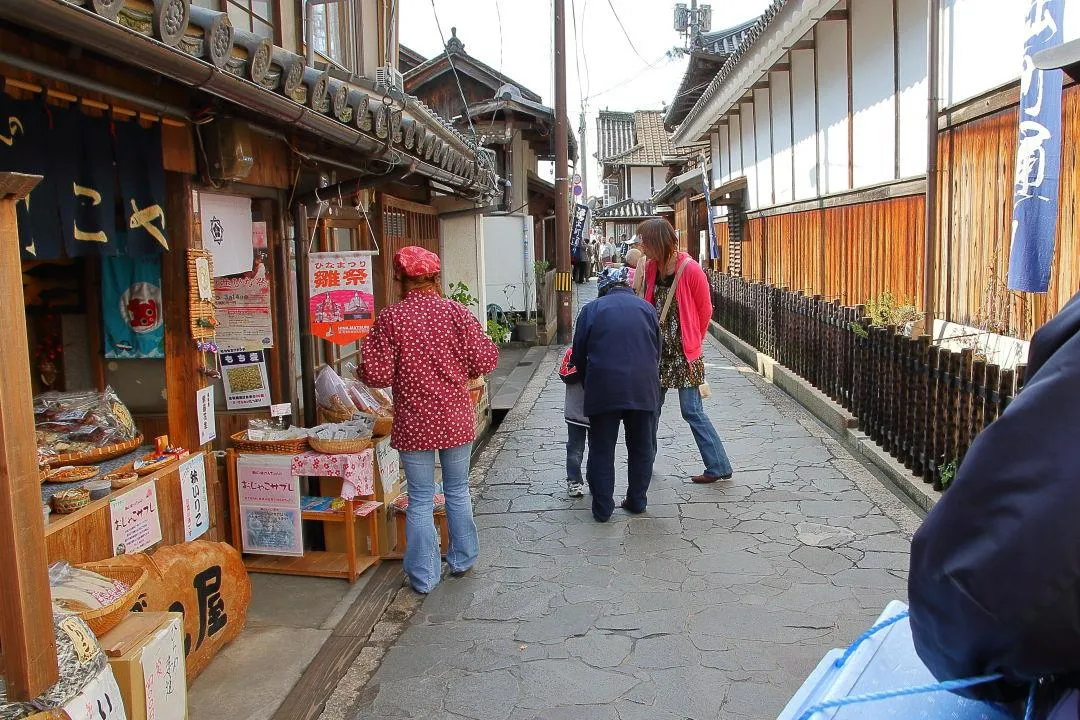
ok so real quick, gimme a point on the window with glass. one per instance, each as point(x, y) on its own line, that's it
point(254, 16)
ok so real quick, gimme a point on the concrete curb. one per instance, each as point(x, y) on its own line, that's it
point(841, 422)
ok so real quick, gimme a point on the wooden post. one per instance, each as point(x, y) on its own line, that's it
point(26, 627)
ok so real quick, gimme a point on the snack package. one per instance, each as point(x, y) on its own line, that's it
point(370, 400)
point(77, 590)
point(332, 395)
point(76, 422)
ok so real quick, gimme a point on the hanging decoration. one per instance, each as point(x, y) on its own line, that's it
point(142, 186)
point(131, 307)
point(24, 131)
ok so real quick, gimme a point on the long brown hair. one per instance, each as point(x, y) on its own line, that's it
point(658, 239)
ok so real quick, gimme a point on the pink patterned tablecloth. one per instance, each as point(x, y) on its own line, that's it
point(356, 470)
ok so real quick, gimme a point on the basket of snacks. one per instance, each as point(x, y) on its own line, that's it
point(121, 478)
point(69, 473)
point(100, 594)
point(352, 436)
point(274, 442)
point(69, 501)
point(83, 428)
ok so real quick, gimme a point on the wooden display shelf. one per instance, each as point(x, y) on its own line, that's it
point(314, 563)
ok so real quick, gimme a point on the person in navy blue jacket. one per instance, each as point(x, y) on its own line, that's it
point(617, 352)
point(994, 585)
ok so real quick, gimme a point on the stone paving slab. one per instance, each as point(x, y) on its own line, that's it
point(717, 603)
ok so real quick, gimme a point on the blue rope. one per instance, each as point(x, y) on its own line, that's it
point(867, 635)
point(948, 685)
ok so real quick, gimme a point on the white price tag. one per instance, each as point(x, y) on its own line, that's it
point(281, 410)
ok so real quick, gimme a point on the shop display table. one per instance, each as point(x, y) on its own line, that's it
point(356, 474)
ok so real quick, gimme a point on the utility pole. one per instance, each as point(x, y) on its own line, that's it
point(583, 156)
point(563, 282)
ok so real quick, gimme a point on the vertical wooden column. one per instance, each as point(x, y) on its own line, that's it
point(182, 376)
point(26, 629)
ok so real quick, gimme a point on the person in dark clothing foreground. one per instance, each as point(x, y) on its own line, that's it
point(617, 352)
point(994, 585)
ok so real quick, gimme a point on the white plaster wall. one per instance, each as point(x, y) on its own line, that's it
point(832, 76)
point(763, 135)
point(780, 102)
point(724, 144)
point(982, 44)
point(872, 93)
point(749, 154)
point(641, 183)
point(461, 240)
point(804, 118)
point(735, 143)
point(911, 32)
point(714, 155)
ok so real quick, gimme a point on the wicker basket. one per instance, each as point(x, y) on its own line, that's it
point(102, 620)
point(121, 479)
point(70, 474)
point(339, 447)
point(383, 426)
point(152, 467)
point(106, 452)
point(68, 501)
point(273, 447)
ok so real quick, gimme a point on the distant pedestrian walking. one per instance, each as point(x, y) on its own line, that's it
point(577, 424)
point(617, 351)
point(678, 288)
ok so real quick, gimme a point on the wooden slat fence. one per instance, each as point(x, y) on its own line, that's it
point(923, 404)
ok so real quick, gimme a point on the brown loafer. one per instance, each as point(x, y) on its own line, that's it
point(705, 479)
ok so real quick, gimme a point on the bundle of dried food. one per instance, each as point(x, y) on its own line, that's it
point(74, 423)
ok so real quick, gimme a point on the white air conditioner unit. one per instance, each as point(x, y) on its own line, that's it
point(387, 78)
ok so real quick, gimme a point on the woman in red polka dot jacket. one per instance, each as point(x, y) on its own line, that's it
point(427, 348)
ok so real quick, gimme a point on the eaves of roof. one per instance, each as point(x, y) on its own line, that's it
point(628, 209)
point(203, 51)
point(438, 65)
point(778, 28)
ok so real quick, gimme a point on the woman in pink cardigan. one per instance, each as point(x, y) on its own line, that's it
point(682, 329)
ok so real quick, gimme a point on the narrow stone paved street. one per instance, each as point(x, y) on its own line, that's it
point(715, 604)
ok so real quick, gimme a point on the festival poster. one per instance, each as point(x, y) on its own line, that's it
point(135, 521)
point(225, 221)
point(131, 307)
point(342, 302)
point(243, 301)
point(196, 508)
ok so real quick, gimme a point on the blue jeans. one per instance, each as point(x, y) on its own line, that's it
point(708, 440)
point(422, 562)
point(576, 438)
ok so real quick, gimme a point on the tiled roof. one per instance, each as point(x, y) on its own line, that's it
point(243, 68)
point(629, 209)
point(409, 58)
point(704, 63)
point(431, 68)
point(637, 138)
point(750, 37)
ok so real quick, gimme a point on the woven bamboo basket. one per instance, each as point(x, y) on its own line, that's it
point(92, 457)
point(383, 426)
point(69, 501)
point(337, 412)
point(199, 309)
point(339, 447)
point(152, 467)
point(70, 474)
point(273, 447)
point(121, 479)
point(102, 620)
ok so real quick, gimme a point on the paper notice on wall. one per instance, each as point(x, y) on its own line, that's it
point(196, 509)
point(226, 232)
point(135, 520)
point(99, 700)
point(163, 675)
point(243, 301)
point(244, 376)
point(204, 412)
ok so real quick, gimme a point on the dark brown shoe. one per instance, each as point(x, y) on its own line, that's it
point(705, 479)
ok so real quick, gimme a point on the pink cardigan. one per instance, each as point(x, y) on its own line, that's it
point(694, 299)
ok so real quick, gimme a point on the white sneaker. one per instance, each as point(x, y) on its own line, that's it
point(574, 489)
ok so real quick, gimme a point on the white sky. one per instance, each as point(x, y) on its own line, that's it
point(617, 78)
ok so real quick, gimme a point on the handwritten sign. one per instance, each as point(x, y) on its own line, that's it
point(389, 464)
point(269, 498)
point(204, 411)
point(163, 675)
point(196, 509)
point(244, 376)
point(134, 518)
point(342, 302)
point(99, 700)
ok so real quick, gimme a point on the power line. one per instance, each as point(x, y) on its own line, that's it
point(625, 34)
point(584, 55)
point(632, 78)
point(457, 78)
point(498, 15)
point(577, 47)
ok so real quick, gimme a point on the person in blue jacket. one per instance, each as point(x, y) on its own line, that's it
point(617, 353)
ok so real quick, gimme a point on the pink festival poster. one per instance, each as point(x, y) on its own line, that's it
point(342, 302)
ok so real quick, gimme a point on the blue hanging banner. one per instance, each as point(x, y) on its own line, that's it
point(1038, 155)
point(131, 307)
point(714, 249)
